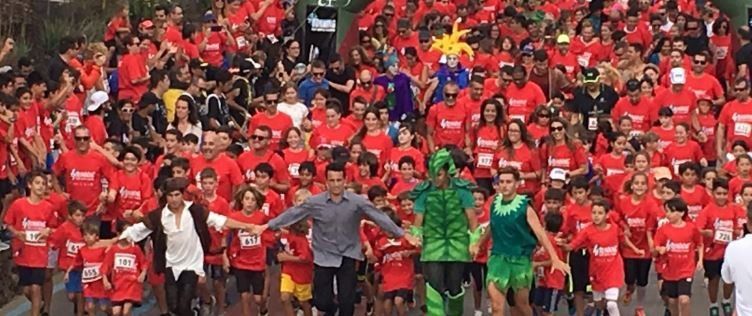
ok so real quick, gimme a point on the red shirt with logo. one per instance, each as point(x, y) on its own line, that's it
point(563, 157)
point(122, 265)
point(220, 206)
point(91, 275)
point(379, 145)
point(736, 116)
point(613, 170)
point(448, 124)
point(704, 85)
point(696, 198)
point(487, 141)
point(397, 267)
point(521, 102)
point(69, 239)
point(545, 276)
point(643, 114)
point(682, 103)
point(247, 251)
point(249, 160)
point(676, 154)
point(30, 220)
point(84, 174)
point(397, 153)
point(298, 245)
point(524, 159)
point(228, 173)
point(640, 218)
point(292, 159)
point(132, 190)
point(606, 265)
point(278, 123)
point(332, 136)
point(722, 222)
point(681, 244)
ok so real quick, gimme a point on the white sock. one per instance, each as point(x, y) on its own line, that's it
point(612, 308)
point(713, 304)
point(726, 301)
point(641, 292)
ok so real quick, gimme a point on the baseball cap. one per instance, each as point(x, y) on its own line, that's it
point(96, 100)
point(661, 173)
point(558, 174)
point(590, 75)
point(528, 49)
point(403, 24)
point(678, 76)
point(633, 85)
point(562, 39)
point(209, 17)
point(146, 24)
point(704, 97)
point(424, 35)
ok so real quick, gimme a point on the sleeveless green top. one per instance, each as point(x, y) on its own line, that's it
point(511, 235)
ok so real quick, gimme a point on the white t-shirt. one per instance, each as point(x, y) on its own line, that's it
point(297, 112)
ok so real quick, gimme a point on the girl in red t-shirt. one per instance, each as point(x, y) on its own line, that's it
point(561, 152)
point(610, 167)
point(485, 140)
point(408, 145)
point(738, 148)
point(294, 152)
point(123, 273)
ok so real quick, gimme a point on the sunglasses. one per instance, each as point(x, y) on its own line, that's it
point(127, 110)
point(450, 95)
point(740, 89)
point(557, 128)
point(701, 62)
point(318, 74)
point(82, 138)
point(258, 137)
point(425, 41)
point(544, 115)
point(271, 102)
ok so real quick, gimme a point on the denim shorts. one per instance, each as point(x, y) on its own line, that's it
point(74, 282)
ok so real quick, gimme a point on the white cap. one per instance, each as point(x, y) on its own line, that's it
point(558, 174)
point(678, 76)
point(96, 100)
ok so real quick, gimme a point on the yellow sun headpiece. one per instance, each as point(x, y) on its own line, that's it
point(451, 44)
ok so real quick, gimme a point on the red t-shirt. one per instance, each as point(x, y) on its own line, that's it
point(97, 129)
point(682, 103)
point(521, 102)
point(696, 200)
point(545, 276)
point(735, 188)
point(122, 265)
point(30, 219)
point(397, 268)
point(228, 173)
point(613, 170)
point(248, 252)
point(380, 145)
point(248, 162)
point(666, 136)
point(69, 239)
point(606, 265)
point(131, 67)
point(676, 154)
point(220, 206)
point(708, 124)
point(704, 85)
point(448, 124)
point(132, 190)
point(332, 136)
point(643, 114)
point(290, 196)
point(292, 159)
point(487, 141)
point(403, 186)
point(83, 176)
point(569, 61)
point(273, 204)
point(277, 123)
point(722, 222)
point(523, 159)
point(576, 218)
point(588, 54)
point(681, 244)
point(116, 23)
point(298, 246)
point(737, 118)
point(397, 153)
point(215, 45)
point(91, 275)
point(561, 156)
point(640, 218)
point(270, 22)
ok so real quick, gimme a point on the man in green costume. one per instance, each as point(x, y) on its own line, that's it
point(446, 222)
point(515, 231)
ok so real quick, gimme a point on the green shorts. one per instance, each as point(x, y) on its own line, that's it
point(507, 272)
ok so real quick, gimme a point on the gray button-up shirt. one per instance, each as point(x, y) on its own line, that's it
point(336, 225)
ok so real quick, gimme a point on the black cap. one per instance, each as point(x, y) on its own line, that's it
point(666, 111)
point(424, 35)
point(590, 75)
point(633, 85)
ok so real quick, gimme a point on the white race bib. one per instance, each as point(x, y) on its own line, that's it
point(33, 237)
point(723, 236)
point(293, 169)
point(241, 42)
point(592, 123)
point(248, 241)
point(742, 129)
point(125, 261)
point(90, 273)
point(584, 59)
point(72, 248)
point(485, 160)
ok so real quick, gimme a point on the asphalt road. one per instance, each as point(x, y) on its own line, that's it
point(60, 305)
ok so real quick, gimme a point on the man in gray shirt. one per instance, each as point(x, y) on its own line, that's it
point(336, 243)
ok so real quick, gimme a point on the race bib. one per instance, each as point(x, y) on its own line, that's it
point(248, 241)
point(721, 52)
point(241, 42)
point(293, 169)
point(485, 160)
point(125, 261)
point(592, 123)
point(90, 273)
point(723, 236)
point(33, 237)
point(72, 248)
point(742, 129)
point(265, 208)
point(584, 59)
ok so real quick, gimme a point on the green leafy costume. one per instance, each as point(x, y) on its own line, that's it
point(510, 265)
point(445, 236)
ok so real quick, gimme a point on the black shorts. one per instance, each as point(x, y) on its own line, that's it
point(5, 187)
point(247, 280)
point(477, 271)
point(30, 276)
point(547, 299)
point(417, 265)
point(405, 294)
point(214, 271)
point(637, 271)
point(365, 271)
point(674, 289)
point(712, 268)
point(579, 262)
point(271, 256)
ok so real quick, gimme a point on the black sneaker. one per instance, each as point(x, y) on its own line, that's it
point(727, 310)
point(369, 308)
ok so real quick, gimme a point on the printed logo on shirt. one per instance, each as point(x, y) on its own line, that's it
point(448, 124)
point(129, 194)
point(83, 176)
point(678, 247)
point(487, 143)
point(32, 231)
point(607, 251)
point(679, 109)
point(506, 163)
point(558, 162)
point(635, 222)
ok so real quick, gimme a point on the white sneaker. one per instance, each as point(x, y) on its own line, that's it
point(4, 246)
point(478, 313)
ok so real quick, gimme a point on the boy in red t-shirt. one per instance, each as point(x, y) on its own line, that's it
point(717, 222)
point(680, 243)
point(30, 221)
point(92, 256)
point(549, 283)
point(215, 262)
point(123, 274)
point(297, 269)
point(68, 237)
point(407, 181)
point(396, 269)
point(272, 207)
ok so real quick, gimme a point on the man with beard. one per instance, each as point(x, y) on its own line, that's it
point(593, 99)
point(228, 172)
point(551, 80)
point(341, 80)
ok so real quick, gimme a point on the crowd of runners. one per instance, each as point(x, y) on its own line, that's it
point(542, 155)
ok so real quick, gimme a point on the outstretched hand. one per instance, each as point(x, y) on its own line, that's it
point(474, 249)
point(559, 265)
point(413, 240)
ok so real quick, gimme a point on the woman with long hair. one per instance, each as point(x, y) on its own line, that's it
point(289, 59)
point(720, 45)
point(359, 60)
point(186, 118)
point(294, 152)
point(485, 140)
point(374, 138)
point(560, 151)
point(408, 144)
point(539, 121)
point(519, 151)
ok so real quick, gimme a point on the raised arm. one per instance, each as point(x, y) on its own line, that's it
point(535, 226)
point(381, 219)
